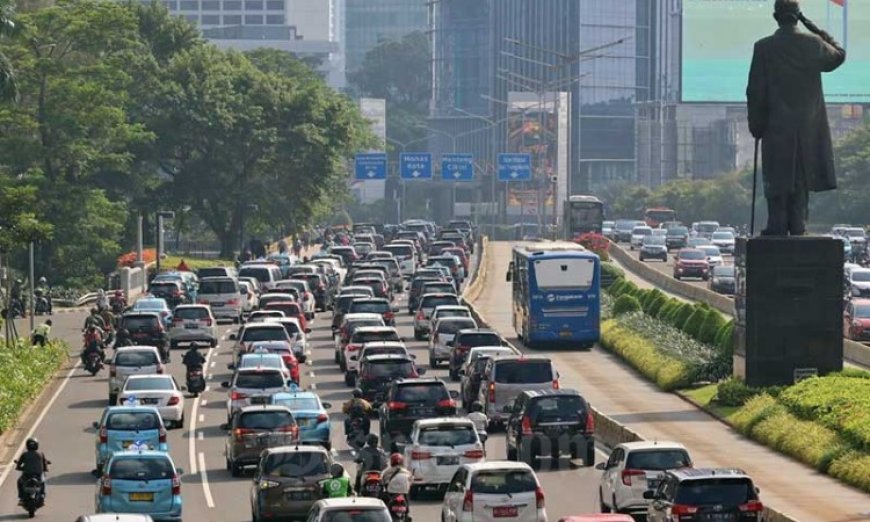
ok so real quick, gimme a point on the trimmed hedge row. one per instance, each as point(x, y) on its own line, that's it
point(667, 372)
point(25, 371)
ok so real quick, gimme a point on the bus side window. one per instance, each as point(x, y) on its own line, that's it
point(510, 271)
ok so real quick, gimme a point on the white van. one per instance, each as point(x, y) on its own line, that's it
point(224, 297)
point(266, 273)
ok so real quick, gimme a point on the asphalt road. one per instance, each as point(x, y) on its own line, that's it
point(209, 491)
point(668, 266)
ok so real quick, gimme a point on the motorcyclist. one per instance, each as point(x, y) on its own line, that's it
point(339, 484)
point(397, 479)
point(40, 334)
point(32, 464)
point(44, 291)
point(369, 458)
point(93, 343)
point(192, 358)
point(102, 299)
point(16, 298)
point(108, 318)
point(122, 338)
point(357, 408)
point(118, 302)
point(95, 319)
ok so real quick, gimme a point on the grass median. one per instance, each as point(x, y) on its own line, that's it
point(25, 370)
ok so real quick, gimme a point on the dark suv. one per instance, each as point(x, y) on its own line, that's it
point(409, 400)
point(416, 290)
point(288, 481)
point(551, 421)
point(377, 372)
point(464, 341)
point(254, 429)
point(702, 495)
point(374, 305)
point(146, 329)
point(676, 237)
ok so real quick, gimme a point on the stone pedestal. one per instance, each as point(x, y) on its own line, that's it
point(789, 309)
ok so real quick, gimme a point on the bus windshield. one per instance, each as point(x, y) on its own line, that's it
point(576, 273)
point(656, 216)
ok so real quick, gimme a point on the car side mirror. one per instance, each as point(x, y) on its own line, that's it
point(184, 388)
point(225, 384)
point(454, 394)
point(225, 426)
point(233, 337)
point(601, 466)
point(109, 361)
point(412, 356)
point(96, 425)
point(649, 494)
point(231, 366)
point(326, 405)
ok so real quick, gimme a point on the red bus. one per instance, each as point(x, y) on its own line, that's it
point(656, 216)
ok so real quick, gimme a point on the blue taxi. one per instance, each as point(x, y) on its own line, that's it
point(143, 481)
point(123, 427)
point(310, 414)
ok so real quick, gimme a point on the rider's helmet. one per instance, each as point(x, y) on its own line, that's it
point(123, 332)
point(48, 322)
point(476, 406)
point(357, 393)
point(396, 459)
point(119, 293)
point(94, 311)
point(32, 444)
point(43, 280)
point(337, 470)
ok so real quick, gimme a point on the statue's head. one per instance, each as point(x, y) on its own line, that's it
point(786, 12)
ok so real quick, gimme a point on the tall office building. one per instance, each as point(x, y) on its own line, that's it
point(369, 22)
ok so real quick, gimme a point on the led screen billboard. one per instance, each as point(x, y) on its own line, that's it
point(718, 36)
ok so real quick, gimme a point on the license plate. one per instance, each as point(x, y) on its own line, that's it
point(422, 411)
point(215, 304)
point(719, 517)
point(564, 334)
point(148, 401)
point(305, 423)
point(553, 430)
point(127, 443)
point(258, 400)
point(504, 511)
point(297, 495)
point(141, 497)
point(191, 326)
point(447, 461)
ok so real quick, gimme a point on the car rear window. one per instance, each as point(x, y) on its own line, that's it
point(451, 326)
point(297, 403)
point(523, 372)
point(265, 420)
point(445, 261)
point(135, 358)
point(448, 435)
point(214, 271)
point(422, 393)
point(692, 255)
point(356, 514)
point(503, 482)
point(133, 324)
point(388, 369)
point(141, 469)
point(149, 383)
point(432, 302)
point(715, 491)
point(384, 350)
point(162, 288)
point(369, 337)
point(291, 328)
point(562, 408)
point(264, 334)
point(400, 250)
point(217, 287)
point(293, 464)
point(133, 421)
point(262, 275)
point(344, 302)
point(657, 460)
point(260, 380)
point(289, 309)
point(191, 313)
point(479, 339)
point(446, 288)
point(369, 307)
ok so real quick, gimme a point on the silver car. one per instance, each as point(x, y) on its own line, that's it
point(441, 338)
point(131, 360)
point(427, 305)
point(251, 386)
point(223, 295)
point(505, 377)
point(192, 323)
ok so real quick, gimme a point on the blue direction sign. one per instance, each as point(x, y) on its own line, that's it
point(514, 167)
point(370, 165)
point(457, 167)
point(415, 165)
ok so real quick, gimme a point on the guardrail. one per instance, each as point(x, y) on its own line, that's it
point(607, 431)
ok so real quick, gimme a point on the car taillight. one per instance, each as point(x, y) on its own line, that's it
point(106, 488)
point(160, 368)
point(241, 432)
point(447, 403)
point(589, 429)
point(175, 399)
point(539, 497)
point(236, 396)
point(389, 316)
point(104, 435)
point(555, 384)
point(164, 313)
point(353, 347)
point(468, 501)
point(201, 301)
point(233, 302)
point(420, 315)
point(474, 454)
point(682, 509)
point(161, 435)
point(492, 392)
point(322, 418)
point(208, 321)
point(420, 455)
point(526, 425)
point(113, 372)
point(397, 405)
point(176, 485)
point(291, 428)
point(753, 506)
point(462, 348)
point(176, 320)
point(176, 293)
point(628, 473)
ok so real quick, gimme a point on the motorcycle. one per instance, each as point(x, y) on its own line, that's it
point(397, 505)
point(93, 363)
point(195, 380)
point(119, 304)
point(356, 434)
point(34, 498)
point(42, 305)
point(371, 485)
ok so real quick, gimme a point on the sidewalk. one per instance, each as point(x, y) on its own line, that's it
point(620, 392)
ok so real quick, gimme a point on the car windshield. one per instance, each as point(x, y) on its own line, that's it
point(355, 514)
point(710, 250)
point(723, 235)
point(296, 464)
point(503, 482)
point(657, 460)
point(692, 255)
point(260, 380)
point(389, 369)
point(559, 408)
point(400, 250)
point(383, 350)
point(860, 276)
point(422, 393)
point(217, 287)
point(452, 326)
point(448, 435)
point(133, 324)
point(135, 358)
point(642, 231)
point(191, 313)
point(723, 271)
point(678, 231)
point(141, 469)
point(133, 421)
point(432, 302)
point(261, 274)
point(149, 383)
point(298, 403)
point(653, 240)
point(721, 491)
point(522, 372)
point(370, 307)
point(265, 420)
point(369, 337)
point(162, 288)
point(264, 334)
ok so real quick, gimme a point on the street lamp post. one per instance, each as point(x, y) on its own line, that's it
point(168, 214)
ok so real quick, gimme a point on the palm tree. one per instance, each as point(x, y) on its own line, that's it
point(8, 88)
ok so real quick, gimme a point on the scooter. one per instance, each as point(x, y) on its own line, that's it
point(195, 380)
point(371, 485)
point(34, 498)
point(397, 505)
point(42, 305)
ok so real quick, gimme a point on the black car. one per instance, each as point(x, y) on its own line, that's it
point(676, 237)
point(409, 400)
point(699, 494)
point(416, 290)
point(146, 328)
point(550, 423)
point(464, 341)
point(722, 279)
point(172, 291)
point(377, 372)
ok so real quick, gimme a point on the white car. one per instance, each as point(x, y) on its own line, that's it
point(131, 360)
point(441, 337)
point(158, 390)
point(191, 323)
point(306, 298)
point(637, 235)
point(494, 491)
point(714, 256)
point(438, 447)
point(448, 311)
point(363, 509)
point(294, 330)
point(382, 348)
point(254, 332)
point(632, 469)
point(261, 358)
point(724, 240)
point(261, 316)
point(250, 299)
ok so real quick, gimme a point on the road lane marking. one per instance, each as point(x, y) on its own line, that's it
point(208, 387)
point(200, 436)
point(203, 402)
point(191, 433)
point(36, 424)
point(201, 417)
point(206, 490)
point(212, 364)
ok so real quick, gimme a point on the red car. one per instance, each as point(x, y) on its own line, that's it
point(284, 350)
point(856, 320)
point(461, 254)
point(691, 262)
point(290, 309)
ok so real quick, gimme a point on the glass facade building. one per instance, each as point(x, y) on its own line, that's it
point(369, 22)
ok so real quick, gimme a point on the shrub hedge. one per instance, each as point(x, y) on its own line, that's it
point(681, 315)
point(625, 304)
point(693, 324)
point(667, 372)
point(710, 329)
point(25, 371)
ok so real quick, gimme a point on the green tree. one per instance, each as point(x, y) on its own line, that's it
point(8, 87)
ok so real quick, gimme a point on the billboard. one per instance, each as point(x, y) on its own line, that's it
point(718, 36)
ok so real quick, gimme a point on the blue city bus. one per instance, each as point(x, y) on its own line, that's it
point(556, 297)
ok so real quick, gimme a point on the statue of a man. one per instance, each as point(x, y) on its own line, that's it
point(787, 112)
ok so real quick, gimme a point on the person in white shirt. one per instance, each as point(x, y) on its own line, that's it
point(480, 421)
